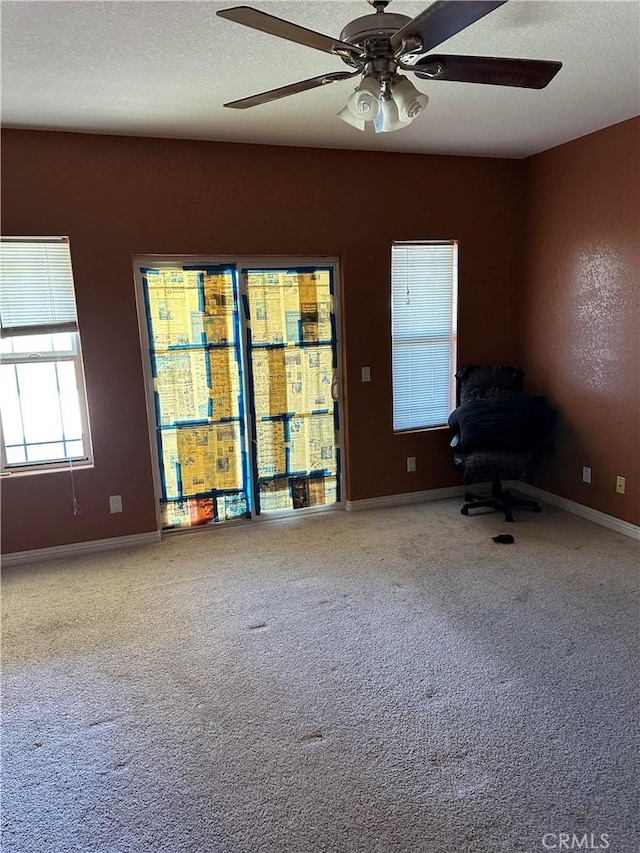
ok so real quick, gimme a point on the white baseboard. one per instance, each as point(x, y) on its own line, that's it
point(610, 521)
point(77, 548)
point(406, 498)
point(57, 552)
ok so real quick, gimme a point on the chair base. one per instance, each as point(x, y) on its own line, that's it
point(501, 501)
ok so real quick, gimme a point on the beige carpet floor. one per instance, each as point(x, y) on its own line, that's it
point(385, 681)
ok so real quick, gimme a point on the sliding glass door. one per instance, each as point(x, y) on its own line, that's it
point(195, 357)
point(243, 366)
point(293, 367)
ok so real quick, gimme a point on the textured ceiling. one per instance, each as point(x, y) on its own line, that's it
point(166, 68)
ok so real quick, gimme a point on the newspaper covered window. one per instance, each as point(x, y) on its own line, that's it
point(424, 282)
point(235, 441)
point(43, 406)
point(194, 338)
point(293, 355)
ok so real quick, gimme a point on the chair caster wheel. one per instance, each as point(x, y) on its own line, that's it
point(508, 518)
point(464, 510)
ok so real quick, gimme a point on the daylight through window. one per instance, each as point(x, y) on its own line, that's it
point(42, 395)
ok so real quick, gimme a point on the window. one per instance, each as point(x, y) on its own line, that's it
point(424, 277)
point(42, 396)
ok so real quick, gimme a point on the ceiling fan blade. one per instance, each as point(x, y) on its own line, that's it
point(496, 71)
point(285, 29)
point(291, 89)
point(442, 20)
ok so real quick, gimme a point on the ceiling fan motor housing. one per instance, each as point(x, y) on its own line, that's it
point(374, 29)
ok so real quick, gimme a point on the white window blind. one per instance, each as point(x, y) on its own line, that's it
point(423, 309)
point(36, 286)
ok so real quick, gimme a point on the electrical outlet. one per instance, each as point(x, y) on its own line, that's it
point(411, 463)
point(115, 503)
point(621, 485)
point(586, 474)
point(366, 374)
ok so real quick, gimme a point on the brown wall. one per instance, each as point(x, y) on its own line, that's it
point(116, 197)
point(581, 317)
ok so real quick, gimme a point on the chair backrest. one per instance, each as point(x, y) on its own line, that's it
point(474, 378)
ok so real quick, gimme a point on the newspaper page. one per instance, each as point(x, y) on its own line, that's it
point(275, 494)
point(220, 307)
point(266, 307)
point(182, 386)
point(269, 382)
point(312, 491)
point(170, 460)
point(175, 514)
point(232, 506)
point(225, 392)
point(174, 307)
point(317, 374)
point(210, 458)
point(312, 440)
point(271, 448)
point(315, 306)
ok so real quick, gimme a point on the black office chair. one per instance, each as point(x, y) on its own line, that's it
point(500, 434)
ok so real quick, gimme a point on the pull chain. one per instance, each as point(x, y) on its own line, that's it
point(77, 509)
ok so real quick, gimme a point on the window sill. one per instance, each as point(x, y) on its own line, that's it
point(56, 468)
point(413, 430)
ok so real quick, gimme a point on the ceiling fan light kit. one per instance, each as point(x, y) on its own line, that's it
point(380, 45)
point(390, 105)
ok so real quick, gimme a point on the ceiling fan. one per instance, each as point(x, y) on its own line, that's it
point(378, 46)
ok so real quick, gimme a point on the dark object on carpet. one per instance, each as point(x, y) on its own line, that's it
point(504, 538)
point(500, 434)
